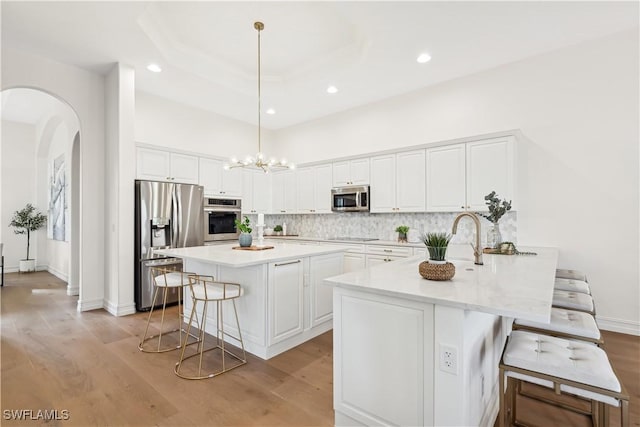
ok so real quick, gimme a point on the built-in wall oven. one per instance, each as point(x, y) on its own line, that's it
point(220, 217)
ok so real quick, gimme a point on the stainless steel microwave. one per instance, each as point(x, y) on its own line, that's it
point(350, 199)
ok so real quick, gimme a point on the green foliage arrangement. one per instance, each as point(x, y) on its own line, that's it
point(402, 229)
point(436, 244)
point(497, 207)
point(277, 228)
point(27, 220)
point(244, 226)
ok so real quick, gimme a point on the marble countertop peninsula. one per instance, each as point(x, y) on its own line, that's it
point(506, 285)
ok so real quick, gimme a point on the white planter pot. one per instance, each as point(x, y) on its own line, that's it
point(27, 265)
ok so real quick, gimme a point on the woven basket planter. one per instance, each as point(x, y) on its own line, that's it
point(437, 271)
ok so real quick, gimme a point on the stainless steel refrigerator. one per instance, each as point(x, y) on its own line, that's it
point(167, 215)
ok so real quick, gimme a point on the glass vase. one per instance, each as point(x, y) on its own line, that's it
point(494, 237)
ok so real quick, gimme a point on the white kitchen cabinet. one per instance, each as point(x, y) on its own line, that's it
point(284, 192)
point(159, 165)
point(256, 192)
point(286, 299)
point(351, 172)
point(398, 182)
point(314, 189)
point(446, 183)
point(354, 262)
point(490, 167)
point(459, 176)
point(321, 294)
point(373, 260)
point(217, 181)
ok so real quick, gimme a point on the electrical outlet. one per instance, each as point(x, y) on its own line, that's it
point(449, 359)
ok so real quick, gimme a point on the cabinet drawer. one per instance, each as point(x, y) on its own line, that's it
point(390, 250)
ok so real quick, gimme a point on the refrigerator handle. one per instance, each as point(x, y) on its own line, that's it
point(175, 215)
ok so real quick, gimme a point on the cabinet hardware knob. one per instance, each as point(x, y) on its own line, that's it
point(461, 207)
point(388, 250)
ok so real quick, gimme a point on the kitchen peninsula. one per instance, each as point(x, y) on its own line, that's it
point(285, 301)
point(409, 351)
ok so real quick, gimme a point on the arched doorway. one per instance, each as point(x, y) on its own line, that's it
point(48, 130)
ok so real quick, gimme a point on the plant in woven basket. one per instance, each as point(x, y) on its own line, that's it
point(436, 244)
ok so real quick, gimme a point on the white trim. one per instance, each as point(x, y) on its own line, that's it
point(16, 269)
point(628, 327)
point(72, 292)
point(119, 310)
point(90, 305)
point(59, 274)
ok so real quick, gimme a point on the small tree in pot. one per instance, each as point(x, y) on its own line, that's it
point(25, 221)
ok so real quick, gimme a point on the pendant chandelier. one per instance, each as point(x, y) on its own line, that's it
point(259, 161)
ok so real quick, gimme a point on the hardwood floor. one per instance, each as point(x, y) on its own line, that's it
point(54, 358)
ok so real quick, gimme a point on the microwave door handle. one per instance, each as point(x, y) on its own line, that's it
point(358, 199)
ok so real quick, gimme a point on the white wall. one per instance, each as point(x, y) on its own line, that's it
point(578, 166)
point(166, 123)
point(18, 184)
point(84, 92)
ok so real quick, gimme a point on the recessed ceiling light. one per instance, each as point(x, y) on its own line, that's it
point(423, 58)
point(154, 68)
point(271, 111)
point(332, 89)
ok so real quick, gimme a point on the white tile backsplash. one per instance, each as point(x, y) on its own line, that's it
point(382, 225)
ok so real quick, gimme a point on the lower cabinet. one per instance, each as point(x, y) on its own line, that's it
point(373, 260)
point(354, 262)
point(286, 298)
point(321, 294)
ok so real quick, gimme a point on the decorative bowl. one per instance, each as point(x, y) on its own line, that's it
point(431, 271)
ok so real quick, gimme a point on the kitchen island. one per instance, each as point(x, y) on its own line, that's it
point(410, 351)
point(285, 301)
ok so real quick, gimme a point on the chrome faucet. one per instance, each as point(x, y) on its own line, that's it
point(477, 249)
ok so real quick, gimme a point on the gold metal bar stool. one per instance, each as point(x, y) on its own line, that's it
point(572, 367)
point(164, 279)
point(205, 290)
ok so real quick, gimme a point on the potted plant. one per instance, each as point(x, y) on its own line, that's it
point(402, 231)
point(437, 267)
point(245, 238)
point(24, 222)
point(278, 230)
point(497, 208)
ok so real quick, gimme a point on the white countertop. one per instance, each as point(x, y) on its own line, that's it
point(507, 285)
point(226, 256)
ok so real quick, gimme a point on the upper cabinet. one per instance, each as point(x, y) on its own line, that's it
point(351, 172)
point(314, 189)
point(459, 176)
point(158, 165)
point(220, 182)
point(284, 192)
point(398, 182)
point(256, 192)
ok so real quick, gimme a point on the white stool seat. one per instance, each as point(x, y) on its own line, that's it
point(572, 285)
point(568, 359)
point(171, 280)
point(567, 322)
point(573, 300)
point(571, 274)
point(216, 292)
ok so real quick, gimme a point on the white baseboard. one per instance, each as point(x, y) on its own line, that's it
point(119, 310)
point(73, 292)
point(628, 327)
point(90, 305)
point(60, 275)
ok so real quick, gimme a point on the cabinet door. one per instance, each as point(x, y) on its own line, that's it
point(261, 192)
point(154, 165)
point(322, 188)
point(277, 191)
point(353, 262)
point(184, 168)
point(489, 168)
point(211, 176)
point(446, 184)
point(341, 174)
point(232, 182)
point(373, 260)
point(383, 183)
point(305, 189)
point(247, 192)
point(289, 192)
point(410, 181)
point(286, 296)
point(359, 171)
point(321, 298)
